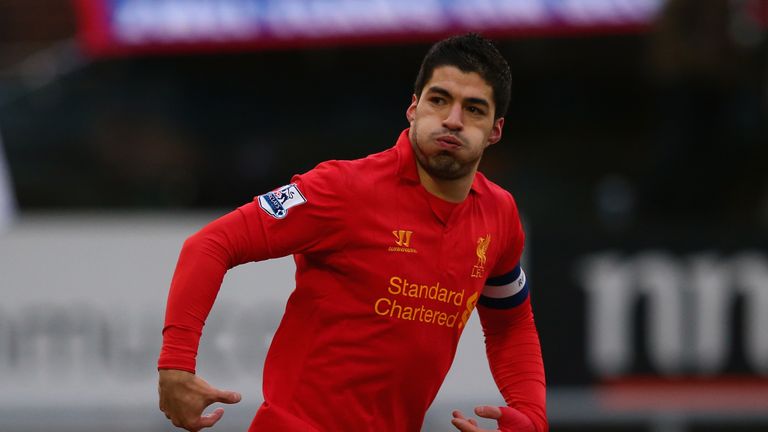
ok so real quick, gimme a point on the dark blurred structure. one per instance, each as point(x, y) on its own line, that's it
point(26, 27)
point(32, 24)
point(709, 149)
point(663, 126)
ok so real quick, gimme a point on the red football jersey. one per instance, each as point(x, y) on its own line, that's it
point(387, 276)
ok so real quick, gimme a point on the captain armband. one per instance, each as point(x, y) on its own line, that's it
point(505, 291)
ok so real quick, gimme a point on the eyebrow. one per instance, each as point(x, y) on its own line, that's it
point(472, 100)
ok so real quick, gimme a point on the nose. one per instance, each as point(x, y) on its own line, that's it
point(454, 119)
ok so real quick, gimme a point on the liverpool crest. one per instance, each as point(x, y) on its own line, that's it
point(482, 249)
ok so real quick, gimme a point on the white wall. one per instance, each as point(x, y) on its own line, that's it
point(82, 306)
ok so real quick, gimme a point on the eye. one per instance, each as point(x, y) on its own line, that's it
point(437, 100)
point(475, 110)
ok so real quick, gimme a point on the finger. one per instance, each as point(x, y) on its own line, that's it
point(458, 414)
point(227, 397)
point(464, 425)
point(489, 412)
point(208, 420)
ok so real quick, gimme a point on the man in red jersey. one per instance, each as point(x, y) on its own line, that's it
point(382, 295)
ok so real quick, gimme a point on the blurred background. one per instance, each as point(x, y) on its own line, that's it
point(636, 146)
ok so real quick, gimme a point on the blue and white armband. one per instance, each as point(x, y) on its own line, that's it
point(505, 291)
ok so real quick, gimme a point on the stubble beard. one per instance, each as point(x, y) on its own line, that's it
point(444, 165)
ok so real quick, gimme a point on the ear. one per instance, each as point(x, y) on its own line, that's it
point(495, 135)
point(410, 113)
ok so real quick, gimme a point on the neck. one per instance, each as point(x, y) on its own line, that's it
point(454, 191)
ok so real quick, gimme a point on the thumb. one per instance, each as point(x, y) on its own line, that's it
point(514, 420)
point(489, 412)
point(227, 397)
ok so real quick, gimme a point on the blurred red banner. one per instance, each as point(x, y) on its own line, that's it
point(120, 27)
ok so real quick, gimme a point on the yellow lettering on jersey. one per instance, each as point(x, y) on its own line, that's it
point(471, 302)
point(421, 312)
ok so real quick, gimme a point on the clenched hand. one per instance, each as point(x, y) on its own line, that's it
point(184, 396)
point(508, 419)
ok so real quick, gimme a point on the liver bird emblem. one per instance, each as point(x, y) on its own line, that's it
point(482, 248)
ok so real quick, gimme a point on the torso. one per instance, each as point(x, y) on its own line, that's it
point(373, 325)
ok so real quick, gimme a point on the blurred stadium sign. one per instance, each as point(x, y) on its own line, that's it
point(113, 27)
point(656, 320)
point(689, 313)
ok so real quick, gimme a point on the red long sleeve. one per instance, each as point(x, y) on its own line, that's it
point(514, 354)
point(204, 259)
point(240, 237)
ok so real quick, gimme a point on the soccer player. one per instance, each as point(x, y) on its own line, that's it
point(393, 253)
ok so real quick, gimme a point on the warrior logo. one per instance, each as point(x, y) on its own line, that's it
point(403, 242)
point(403, 237)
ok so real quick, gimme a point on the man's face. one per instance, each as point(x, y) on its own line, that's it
point(452, 123)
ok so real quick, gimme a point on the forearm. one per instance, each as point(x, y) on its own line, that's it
point(203, 262)
point(514, 355)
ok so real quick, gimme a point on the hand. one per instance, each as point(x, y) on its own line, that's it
point(508, 419)
point(184, 396)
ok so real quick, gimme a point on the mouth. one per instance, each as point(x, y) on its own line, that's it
point(448, 142)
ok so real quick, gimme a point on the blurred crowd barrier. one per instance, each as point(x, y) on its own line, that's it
point(654, 339)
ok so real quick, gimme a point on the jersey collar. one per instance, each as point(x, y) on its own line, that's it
point(406, 168)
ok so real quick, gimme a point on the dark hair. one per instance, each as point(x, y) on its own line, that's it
point(470, 53)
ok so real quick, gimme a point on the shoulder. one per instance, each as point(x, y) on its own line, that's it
point(343, 179)
point(363, 170)
point(381, 162)
point(495, 195)
point(507, 219)
point(386, 158)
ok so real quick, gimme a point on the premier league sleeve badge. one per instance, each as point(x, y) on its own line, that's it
point(277, 202)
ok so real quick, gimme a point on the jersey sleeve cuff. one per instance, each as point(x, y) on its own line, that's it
point(172, 367)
